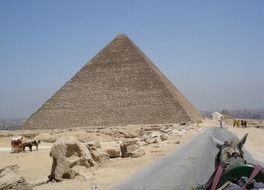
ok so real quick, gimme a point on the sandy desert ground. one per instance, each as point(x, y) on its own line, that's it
point(255, 140)
point(35, 166)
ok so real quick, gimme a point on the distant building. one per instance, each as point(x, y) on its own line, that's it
point(217, 116)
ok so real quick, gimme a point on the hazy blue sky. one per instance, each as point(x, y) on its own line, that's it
point(213, 51)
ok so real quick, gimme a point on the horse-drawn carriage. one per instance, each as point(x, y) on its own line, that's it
point(232, 172)
point(18, 144)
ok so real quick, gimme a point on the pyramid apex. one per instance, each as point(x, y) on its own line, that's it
point(121, 36)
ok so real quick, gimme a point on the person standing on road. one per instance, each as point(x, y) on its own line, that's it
point(242, 123)
point(245, 124)
point(221, 122)
point(234, 123)
point(238, 123)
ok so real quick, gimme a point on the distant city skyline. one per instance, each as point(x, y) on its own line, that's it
point(212, 51)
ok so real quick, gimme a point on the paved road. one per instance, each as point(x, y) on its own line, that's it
point(8, 149)
point(193, 163)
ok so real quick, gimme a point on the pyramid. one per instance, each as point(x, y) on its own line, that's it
point(119, 86)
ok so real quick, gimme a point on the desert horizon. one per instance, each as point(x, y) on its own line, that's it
point(131, 95)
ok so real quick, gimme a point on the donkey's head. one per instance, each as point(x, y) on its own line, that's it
point(230, 152)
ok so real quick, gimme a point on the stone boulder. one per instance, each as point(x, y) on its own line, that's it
point(130, 148)
point(153, 128)
point(177, 132)
point(93, 145)
point(10, 180)
point(112, 149)
point(113, 152)
point(164, 129)
point(153, 137)
point(128, 134)
point(69, 156)
point(99, 156)
point(97, 153)
point(164, 137)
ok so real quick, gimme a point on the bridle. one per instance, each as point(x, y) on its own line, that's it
point(232, 158)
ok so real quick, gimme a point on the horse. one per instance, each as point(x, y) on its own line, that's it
point(30, 144)
point(229, 152)
point(232, 170)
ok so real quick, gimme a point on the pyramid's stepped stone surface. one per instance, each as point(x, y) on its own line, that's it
point(186, 105)
point(119, 86)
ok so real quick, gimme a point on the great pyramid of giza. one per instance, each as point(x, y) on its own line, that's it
point(119, 86)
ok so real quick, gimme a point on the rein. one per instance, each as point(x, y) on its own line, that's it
point(217, 176)
point(255, 172)
point(219, 172)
